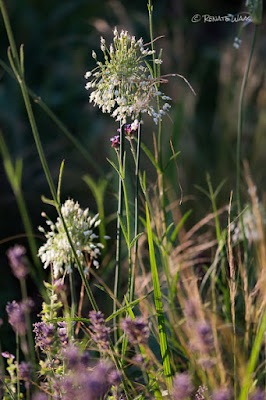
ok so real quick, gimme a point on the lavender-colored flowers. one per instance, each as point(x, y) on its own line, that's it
point(129, 129)
point(16, 256)
point(40, 396)
point(259, 394)
point(222, 394)
point(44, 335)
point(100, 332)
point(62, 333)
point(25, 372)
point(115, 142)
point(7, 355)
point(83, 383)
point(182, 386)
point(17, 315)
point(205, 337)
point(137, 330)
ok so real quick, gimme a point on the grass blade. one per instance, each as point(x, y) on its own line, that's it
point(159, 306)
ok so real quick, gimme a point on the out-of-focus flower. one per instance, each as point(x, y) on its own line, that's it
point(17, 315)
point(57, 250)
point(123, 85)
point(25, 372)
point(222, 394)
point(17, 261)
point(136, 329)
point(40, 396)
point(182, 386)
point(259, 394)
point(204, 337)
point(85, 384)
point(100, 332)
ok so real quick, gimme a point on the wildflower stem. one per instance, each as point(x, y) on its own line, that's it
point(73, 295)
point(17, 360)
point(135, 261)
point(240, 132)
point(28, 322)
point(159, 307)
point(118, 231)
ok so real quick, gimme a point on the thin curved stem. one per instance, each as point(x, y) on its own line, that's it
point(18, 71)
point(240, 123)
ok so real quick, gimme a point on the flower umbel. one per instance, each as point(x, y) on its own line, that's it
point(57, 250)
point(123, 85)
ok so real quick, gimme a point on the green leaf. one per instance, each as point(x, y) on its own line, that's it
point(21, 50)
point(202, 190)
point(159, 306)
point(48, 201)
point(218, 189)
point(115, 167)
point(18, 170)
point(135, 239)
point(60, 181)
point(127, 307)
point(179, 225)
point(150, 156)
point(255, 9)
point(124, 230)
point(171, 159)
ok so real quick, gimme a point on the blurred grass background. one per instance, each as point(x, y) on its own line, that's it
point(58, 38)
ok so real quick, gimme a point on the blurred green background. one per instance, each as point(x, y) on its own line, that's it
point(58, 38)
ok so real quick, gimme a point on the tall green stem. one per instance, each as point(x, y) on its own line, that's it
point(18, 69)
point(28, 322)
point(118, 230)
point(135, 261)
point(240, 126)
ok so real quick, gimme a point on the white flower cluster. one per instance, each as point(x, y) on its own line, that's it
point(123, 85)
point(57, 250)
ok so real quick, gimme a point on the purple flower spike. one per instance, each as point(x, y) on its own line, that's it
point(16, 317)
point(259, 394)
point(25, 370)
point(44, 335)
point(222, 394)
point(115, 142)
point(16, 256)
point(100, 332)
point(182, 386)
point(137, 330)
point(115, 377)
